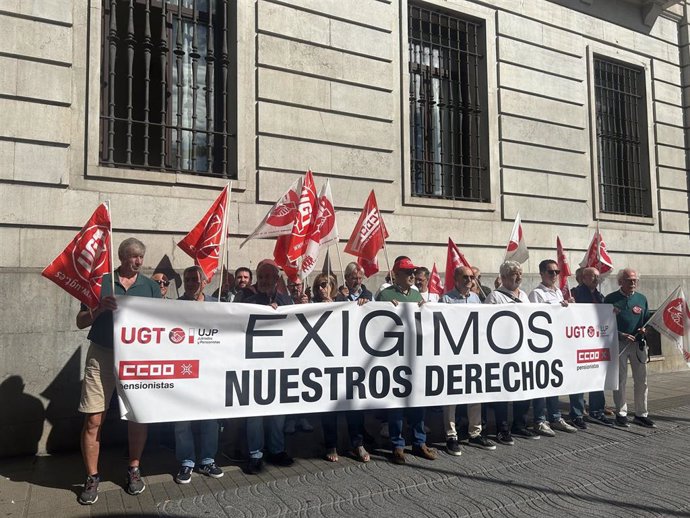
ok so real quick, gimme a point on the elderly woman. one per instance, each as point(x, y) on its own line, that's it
point(325, 290)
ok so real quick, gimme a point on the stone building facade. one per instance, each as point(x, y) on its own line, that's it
point(458, 113)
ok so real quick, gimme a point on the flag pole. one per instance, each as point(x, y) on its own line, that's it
point(385, 248)
point(340, 261)
point(112, 244)
point(598, 250)
point(225, 239)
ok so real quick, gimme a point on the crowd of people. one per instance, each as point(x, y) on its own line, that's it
point(407, 283)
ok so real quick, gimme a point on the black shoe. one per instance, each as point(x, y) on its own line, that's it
point(280, 459)
point(644, 421)
point(210, 470)
point(579, 422)
point(482, 442)
point(599, 419)
point(504, 438)
point(184, 476)
point(524, 433)
point(255, 466)
point(622, 421)
point(453, 447)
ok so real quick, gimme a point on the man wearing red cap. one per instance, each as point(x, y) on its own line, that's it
point(401, 291)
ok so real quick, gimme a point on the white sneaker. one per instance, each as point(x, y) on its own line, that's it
point(384, 430)
point(562, 426)
point(544, 429)
point(304, 425)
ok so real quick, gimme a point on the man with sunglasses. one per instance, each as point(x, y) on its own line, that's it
point(402, 291)
point(162, 281)
point(632, 311)
point(548, 293)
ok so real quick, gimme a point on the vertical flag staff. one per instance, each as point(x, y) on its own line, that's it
point(224, 237)
point(112, 245)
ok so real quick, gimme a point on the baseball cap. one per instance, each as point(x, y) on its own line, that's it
point(404, 264)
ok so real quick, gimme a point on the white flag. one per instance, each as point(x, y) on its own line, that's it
point(673, 321)
point(325, 230)
point(517, 248)
point(280, 219)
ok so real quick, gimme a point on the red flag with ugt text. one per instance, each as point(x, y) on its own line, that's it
point(204, 240)
point(324, 231)
point(454, 258)
point(597, 256)
point(79, 269)
point(564, 268)
point(516, 250)
point(304, 219)
point(368, 236)
point(435, 282)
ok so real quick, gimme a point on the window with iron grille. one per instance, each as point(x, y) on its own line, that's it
point(621, 119)
point(448, 130)
point(166, 86)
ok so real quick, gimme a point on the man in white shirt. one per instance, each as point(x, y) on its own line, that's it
point(421, 280)
point(548, 293)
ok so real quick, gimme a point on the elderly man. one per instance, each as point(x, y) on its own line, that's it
point(548, 293)
point(632, 312)
point(509, 292)
point(354, 274)
point(421, 280)
point(402, 291)
point(194, 281)
point(462, 294)
point(296, 291)
point(267, 278)
point(587, 292)
point(99, 378)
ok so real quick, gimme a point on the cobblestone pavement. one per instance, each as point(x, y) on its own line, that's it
point(598, 472)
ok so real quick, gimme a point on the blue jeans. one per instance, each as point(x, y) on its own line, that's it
point(415, 418)
point(184, 442)
point(550, 404)
point(275, 435)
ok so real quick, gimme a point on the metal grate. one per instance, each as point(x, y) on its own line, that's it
point(621, 138)
point(164, 97)
point(447, 90)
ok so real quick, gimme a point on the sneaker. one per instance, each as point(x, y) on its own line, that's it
point(255, 466)
point(453, 447)
point(622, 421)
point(579, 422)
point(384, 431)
point(423, 451)
point(211, 470)
point(304, 425)
point(562, 426)
point(289, 427)
point(524, 433)
point(482, 442)
point(399, 456)
point(184, 476)
point(505, 438)
point(90, 493)
point(599, 419)
point(280, 459)
point(644, 421)
point(135, 484)
point(543, 428)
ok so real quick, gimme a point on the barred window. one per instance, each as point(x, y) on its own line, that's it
point(621, 118)
point(166, 101)
point(448, 130)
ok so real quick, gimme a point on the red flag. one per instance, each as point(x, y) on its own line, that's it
point(79, 269)
point(564, 268)
point(516, 250)
point(324, 231)
point(368, 236)
point(281, 218)
point(435, 282)
point(597, 256)
point(454, 258)
point(672, 319)
point(280, 257)
point(304, 219)
point(204, 240)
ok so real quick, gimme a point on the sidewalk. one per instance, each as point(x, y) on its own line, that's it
point(636, 471)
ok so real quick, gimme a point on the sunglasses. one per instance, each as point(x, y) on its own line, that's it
point(407, 272)
point(163, 283)
point(553, 272)
point(323, 285)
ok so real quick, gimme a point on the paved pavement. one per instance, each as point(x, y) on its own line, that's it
point(599, 472)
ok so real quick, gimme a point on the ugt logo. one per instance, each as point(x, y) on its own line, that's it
point(90, 252)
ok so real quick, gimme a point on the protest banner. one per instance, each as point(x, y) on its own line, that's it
point(178, 361)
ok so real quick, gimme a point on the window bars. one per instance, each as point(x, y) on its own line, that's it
point(448, 137)
point(165, 75)
point(621, 138)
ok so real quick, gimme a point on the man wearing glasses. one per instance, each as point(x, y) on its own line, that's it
point(162, 281)
point(296, 290)
point(548, 293)
point(402, 291)
point(631, 313)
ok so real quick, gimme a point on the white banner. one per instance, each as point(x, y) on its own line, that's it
point(181, 360)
